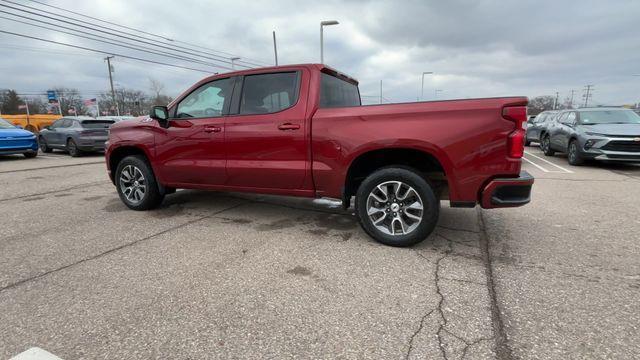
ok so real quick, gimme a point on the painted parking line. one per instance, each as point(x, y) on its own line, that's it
point(536, 165)
point(567, 171)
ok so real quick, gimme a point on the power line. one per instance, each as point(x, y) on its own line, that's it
point(217, 57)
point(261, 63)
point(103, 52)
point(99, 39)
point(105, 32)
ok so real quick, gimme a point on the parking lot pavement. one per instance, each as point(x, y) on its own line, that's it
point(565, 267)
point(218, 275)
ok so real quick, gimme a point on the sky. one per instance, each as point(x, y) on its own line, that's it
point(474, 48)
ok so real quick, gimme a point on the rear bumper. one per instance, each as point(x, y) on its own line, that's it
point(507, 192)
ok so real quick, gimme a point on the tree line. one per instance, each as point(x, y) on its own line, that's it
point(72, 101)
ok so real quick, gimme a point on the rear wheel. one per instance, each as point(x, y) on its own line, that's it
point(545, 145)
point(72, 148)
point(397, 207)
point(136, 184)
point(573, 154)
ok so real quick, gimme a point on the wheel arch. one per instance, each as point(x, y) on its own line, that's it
point(430, 166)
point(116, 155)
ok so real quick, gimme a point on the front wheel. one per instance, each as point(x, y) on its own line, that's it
point(397, 207)
point(31, 154)
point(136, 184)
point(573, 154)
point(43, 145)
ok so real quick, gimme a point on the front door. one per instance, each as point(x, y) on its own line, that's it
point(265, 134)
point(191, 149)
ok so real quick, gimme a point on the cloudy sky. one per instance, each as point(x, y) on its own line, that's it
point(475, 48)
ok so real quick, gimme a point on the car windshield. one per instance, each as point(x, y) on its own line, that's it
point(4, 124)
point(609, 117)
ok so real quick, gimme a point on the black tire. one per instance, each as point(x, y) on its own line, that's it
point(527, 142)
point(43, 145)
point(72, 148)
point(31, 154)
point(573, 154)
point(152, 197)
point(410, 177)
point(545, 145)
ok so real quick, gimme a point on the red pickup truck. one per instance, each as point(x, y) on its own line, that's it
point(300, 130)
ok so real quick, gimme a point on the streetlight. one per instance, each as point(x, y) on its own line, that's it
point(423, 74)
point(638, 103)
point(233, 62)
point(322, 25)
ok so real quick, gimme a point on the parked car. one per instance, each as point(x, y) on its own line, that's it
point(15, 140)
point(536, 125)
point(300, 130)
point(611, 134)
point(76, 135)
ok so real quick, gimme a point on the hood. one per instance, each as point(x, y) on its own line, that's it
point(15, 132)
point(133, 122)
point(613, 129)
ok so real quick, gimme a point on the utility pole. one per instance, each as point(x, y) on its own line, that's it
point(380, 91)
point(113, 93)
point(588, 93)
point(571, 101)
point(555, 101)
point(275, 47)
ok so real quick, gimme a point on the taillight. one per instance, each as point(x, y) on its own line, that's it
point(515, 140)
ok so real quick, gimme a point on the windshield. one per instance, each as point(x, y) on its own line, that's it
point(609, 117)
point(4, 124)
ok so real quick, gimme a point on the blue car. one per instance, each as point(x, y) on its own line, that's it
point(14, 140)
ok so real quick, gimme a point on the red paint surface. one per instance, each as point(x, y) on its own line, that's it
point(307, 151)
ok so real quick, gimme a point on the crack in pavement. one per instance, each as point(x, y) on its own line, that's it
point(94, 183)
point(51, 167)
point(476, 342)
point(456, 229)
point(502, 349)
point(123, 246)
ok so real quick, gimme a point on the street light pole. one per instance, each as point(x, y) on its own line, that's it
point(322, 25)
point(275, 47)
point(638, 103)
point(233, 62)
point(423, 74)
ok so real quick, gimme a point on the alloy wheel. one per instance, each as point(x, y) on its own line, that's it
point(394, 208)
point(133, 184)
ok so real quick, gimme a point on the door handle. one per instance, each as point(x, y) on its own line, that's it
point(288, 126)
point(212, 129)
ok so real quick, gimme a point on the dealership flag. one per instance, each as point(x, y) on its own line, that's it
point(22, 107)
point(90, 102)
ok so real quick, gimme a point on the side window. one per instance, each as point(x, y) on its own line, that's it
point(335, 92)
point(560, 118)
point(209, 100)
point(571, 118)
point(268, 93)
point(67, 123)
point(539, 119)
point(57, 124)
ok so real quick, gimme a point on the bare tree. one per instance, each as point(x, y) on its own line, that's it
point(540, 103)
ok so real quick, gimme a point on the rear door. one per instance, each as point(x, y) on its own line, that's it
point(191, 149)
point(266, 132)
point(52, 135)
point(555, 131)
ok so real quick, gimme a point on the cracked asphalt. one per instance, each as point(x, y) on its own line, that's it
point(225, 275)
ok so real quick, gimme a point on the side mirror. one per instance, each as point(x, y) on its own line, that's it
point(160, 113)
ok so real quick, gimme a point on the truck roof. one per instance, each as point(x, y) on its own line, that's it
point(320, 67)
